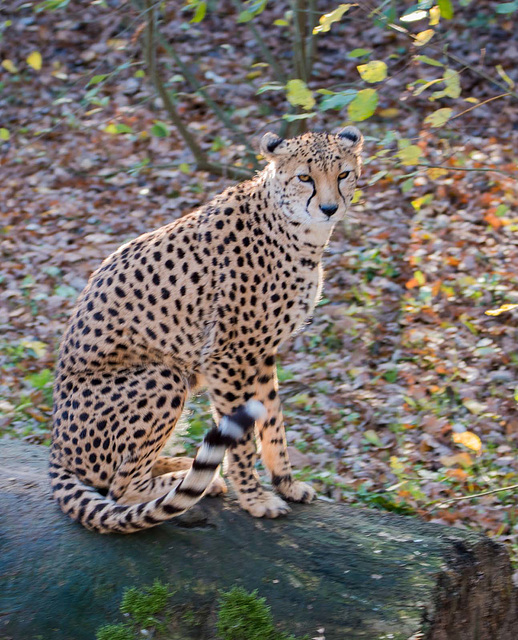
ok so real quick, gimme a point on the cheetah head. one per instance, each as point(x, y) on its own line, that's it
point(314, 175)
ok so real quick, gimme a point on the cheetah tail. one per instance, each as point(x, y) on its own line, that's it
point(95, 512)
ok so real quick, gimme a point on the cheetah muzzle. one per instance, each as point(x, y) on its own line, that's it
point(209, 297)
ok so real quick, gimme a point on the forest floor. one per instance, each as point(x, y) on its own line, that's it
point(402, 393)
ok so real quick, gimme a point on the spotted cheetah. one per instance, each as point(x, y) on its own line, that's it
point(204, 300)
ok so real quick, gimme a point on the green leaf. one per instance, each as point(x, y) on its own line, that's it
point(184, 168)
point(123, 128)
point(391, 376)
point(291, 117)
point(299, 95)
point(270, 86)
point(329, 18)
point(373, 71)
point(452, 81)
point(40, 379)
point(97, 79)
point(52, 5)
point(337, 100)
point(373, 438)
point(501, 210)
point(363, 105)
point(4, 134)
point(199, 12)
point(427, 60)
point(439, 118)
point(159, 130)
point(446, 9)
point(507, 7)
point(253, 9)
point(358, 53)
point(409, 155)
point(65, 291)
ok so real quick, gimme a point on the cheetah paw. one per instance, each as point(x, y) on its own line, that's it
point(217, 487)
point(267, 505)
point(298, 492)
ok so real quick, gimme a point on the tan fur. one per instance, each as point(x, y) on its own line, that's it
point(208, 297)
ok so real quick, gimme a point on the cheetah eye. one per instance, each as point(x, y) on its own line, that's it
point(343, 175)
point(303, 177)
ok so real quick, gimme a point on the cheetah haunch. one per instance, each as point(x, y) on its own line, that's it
point(207, 299)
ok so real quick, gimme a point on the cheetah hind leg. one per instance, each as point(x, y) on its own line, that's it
point(168, 464)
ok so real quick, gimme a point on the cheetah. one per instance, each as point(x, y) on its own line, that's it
point(203, 301)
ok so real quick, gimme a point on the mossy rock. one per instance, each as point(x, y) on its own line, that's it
point(353, 572)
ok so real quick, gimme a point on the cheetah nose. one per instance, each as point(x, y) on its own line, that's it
point(328, 209)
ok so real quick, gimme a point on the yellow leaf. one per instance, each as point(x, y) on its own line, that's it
point(468, 439)
point(423, 37)
point(9, 66)
point(390, 112)
point(409, 155)
point(39, 348)
point(420, 278)
point(504, 75)
point(439, 118)
point(396, 465)
point(34, 60)
point(4, 134)
point(463, 459)
point(436, 172)
point(357, 195)
point(474, 406)
point(435, 16)
point(373, 71)
point(502, 309)
point(334, 16)
point(111, 128)
point(298, 94)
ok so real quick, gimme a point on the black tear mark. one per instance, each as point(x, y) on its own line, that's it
point(311, 197)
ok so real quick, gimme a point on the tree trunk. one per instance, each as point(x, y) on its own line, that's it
point(354, 573)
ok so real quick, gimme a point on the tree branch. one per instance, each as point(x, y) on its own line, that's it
point(218, 111)
point(200, 157)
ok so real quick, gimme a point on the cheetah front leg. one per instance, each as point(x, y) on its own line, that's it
point(227, 389)
point(273, 438)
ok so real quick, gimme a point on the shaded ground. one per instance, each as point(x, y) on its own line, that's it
point(400, 357)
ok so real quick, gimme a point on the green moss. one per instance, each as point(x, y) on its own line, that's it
point(241, 615)
point(142, 605)
point(115, 632)
point(245, 616)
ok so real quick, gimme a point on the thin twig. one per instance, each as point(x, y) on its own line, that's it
point(265, 51)
point(502, 95)
point(481, 169)
point(438, 503)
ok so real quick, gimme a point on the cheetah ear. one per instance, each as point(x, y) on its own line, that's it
point(272, 145)
point(352, 139)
